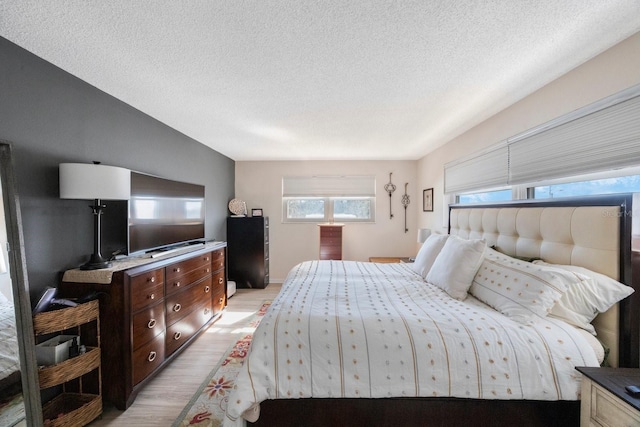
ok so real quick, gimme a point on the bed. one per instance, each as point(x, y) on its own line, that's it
point(354, 343)
point(11, 407)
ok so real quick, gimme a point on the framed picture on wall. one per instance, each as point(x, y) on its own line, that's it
point(427, 200)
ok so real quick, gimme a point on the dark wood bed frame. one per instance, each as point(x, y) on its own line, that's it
point(473, 412)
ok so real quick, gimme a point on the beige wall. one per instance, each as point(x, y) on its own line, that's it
point(612, 71)
point(259, 184)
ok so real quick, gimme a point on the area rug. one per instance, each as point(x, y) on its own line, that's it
point(207, 407)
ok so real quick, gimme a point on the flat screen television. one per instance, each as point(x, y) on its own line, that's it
point(164, 213)
point(161, 213)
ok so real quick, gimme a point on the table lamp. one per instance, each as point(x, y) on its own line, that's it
point(85, 181)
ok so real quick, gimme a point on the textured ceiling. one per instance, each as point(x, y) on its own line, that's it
point(321, 79)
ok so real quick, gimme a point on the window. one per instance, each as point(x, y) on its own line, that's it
point(302, 209)
point(623, 184)
point(485, 197)
point(298, 209)
point(326, 199)
point(598, 138)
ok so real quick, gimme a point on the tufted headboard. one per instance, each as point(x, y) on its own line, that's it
point(593, 232)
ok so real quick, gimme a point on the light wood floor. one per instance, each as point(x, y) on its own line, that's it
point(162, 399)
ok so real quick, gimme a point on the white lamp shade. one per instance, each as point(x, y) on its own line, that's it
point(90, 181)
point(423, 233)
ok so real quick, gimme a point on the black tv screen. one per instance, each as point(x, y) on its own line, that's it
point(164, 213)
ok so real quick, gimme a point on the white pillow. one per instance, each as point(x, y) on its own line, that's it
point(456, 265)
point(595, 344)
point(518, 289)
point(428, 253)
point(584, 299)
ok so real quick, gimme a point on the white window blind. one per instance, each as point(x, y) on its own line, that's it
point(599, 137)
point(600, 141)
point(488, 169)
point(329, 186)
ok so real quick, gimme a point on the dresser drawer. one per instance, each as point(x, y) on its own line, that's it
point(217, 255)
point(182, 303)
point(183, 329)
point(328, 232)
point(330, 252)
point(607, 410)
point(147, 324)
point(178, 283)
point(217, 281)
point(147, 358)
point(219, 302)
point(146, 289)
point(219, 297)
point(331, 241)
point(179, 269)
point(218, 261)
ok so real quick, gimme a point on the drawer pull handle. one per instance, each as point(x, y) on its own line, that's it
point(206, 289)
point(206, 258)
point(206, 270)
point(151, 279)
point(220, 300)
point(177, 284)
point(221, 280)
point(152, 356)
point(151, 323)
point(177, 336)
point(176, 270)
point(177, 308)
point(152, 296)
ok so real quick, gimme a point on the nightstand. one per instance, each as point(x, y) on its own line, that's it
point(604, 399)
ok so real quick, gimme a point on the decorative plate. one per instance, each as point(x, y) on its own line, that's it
point(237, 207)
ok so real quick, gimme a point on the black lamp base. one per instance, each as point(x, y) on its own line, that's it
point(96, 263)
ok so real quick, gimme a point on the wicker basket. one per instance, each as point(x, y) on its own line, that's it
point(71, 410)
point(69, 369)
point(66, 318)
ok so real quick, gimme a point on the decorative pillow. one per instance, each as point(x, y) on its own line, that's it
point(584, 299)
point(428, 253)
point(456, 265)
point(595, 344)
point(521, 258)
point(517, 289)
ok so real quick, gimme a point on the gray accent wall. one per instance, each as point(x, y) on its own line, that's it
point(51, 117)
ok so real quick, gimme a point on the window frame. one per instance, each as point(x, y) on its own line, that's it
point(329, 212)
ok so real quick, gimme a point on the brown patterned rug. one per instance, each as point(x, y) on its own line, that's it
point(207, 407)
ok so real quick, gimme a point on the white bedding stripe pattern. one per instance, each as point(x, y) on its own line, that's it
point(397, 335)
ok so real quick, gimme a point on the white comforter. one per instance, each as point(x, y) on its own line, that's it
point(354, 329)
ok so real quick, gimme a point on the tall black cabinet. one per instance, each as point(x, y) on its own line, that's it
point(248, 251)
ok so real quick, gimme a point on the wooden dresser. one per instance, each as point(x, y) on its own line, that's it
point(330, 241)
point(150, 309)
